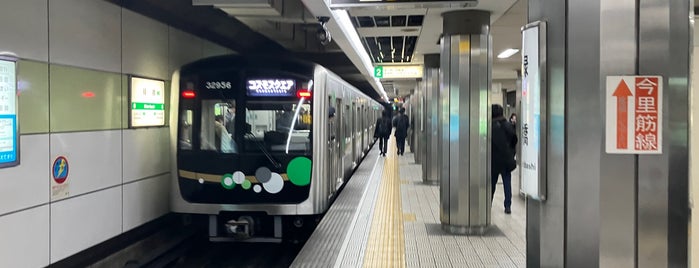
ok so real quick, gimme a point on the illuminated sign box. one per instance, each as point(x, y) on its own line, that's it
point(398, 71)
point(9, 131)
point(147, 107)
point(271, 87)
point(386, 4)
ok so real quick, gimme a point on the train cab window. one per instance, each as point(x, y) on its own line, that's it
point(278, 126)
point(218, 126)
point(185, 133)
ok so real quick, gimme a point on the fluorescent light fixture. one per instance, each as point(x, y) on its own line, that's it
point(343, 20)
point(507, 53)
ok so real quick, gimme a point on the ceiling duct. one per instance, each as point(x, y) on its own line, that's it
point(285, 21)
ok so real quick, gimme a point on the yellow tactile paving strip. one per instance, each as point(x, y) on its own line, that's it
point(386, 243)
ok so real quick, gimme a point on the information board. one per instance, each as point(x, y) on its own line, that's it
point(533, 141)
point(9, 132)
point(634, 114)
point(147, 102)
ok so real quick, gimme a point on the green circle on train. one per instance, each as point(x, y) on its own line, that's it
point(227, 181)
point(246, 184)
point(299, 171)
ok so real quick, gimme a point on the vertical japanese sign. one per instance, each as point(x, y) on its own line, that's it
point(147, 102)
point(9, 132)
point(634, 115)
point(532, 140)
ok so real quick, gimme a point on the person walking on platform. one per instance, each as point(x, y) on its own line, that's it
point(401, 122)
point(502, 161)
point(383, 130)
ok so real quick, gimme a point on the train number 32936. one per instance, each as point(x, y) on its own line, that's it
point(218, 85)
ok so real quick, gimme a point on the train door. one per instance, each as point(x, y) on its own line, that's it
point(333, 149)
point(353, 133)
point(362, 129)
point(347, 140)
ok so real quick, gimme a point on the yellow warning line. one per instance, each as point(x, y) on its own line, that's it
point(386, 244)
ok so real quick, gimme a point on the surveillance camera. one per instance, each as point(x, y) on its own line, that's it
point(323, 34)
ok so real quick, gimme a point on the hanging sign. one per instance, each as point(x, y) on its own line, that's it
point(398, 71)
point(634, 115)
point(533, 142)
point(147, 102)
point(9, 131)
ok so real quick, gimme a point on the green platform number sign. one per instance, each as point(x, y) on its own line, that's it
point(378, 71)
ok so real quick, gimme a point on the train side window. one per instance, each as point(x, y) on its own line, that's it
point(185, 126)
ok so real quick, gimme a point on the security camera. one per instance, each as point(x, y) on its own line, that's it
point(323, 33)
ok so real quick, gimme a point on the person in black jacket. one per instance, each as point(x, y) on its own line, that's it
point(383, 130)
point(401, 122)
point(502, 161)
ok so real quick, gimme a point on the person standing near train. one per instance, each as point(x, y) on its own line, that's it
point(382, 131)
point(401, 122)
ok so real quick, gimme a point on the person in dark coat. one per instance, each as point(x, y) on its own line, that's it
point(502, 162)
point(401, 122)
point(382, 131)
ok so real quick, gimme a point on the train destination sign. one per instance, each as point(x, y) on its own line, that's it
point(336, 4)
point(9, 132)
point(147, 102)
point(271, 87)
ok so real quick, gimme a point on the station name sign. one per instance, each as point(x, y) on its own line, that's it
point(147, 102)
point(398, 71)
point(271, 87)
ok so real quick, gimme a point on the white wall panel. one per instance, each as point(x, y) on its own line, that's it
point(144, 44)
point(146, 200)
point(146, 152)
point(85, 33)
point(184, 48)
point(24, 28)
point(27, 185)
point(211, 49)
point(81, 222)
point(24, 238)
point(94, 159)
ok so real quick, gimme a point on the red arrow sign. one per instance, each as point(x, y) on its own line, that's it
point(622, 93)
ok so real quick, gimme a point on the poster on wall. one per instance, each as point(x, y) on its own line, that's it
point(532, 128)
point(9, 130)
point(147, 107)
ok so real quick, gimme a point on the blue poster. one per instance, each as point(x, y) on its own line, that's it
point(8, 115)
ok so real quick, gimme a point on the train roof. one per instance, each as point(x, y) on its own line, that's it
point(235, 61)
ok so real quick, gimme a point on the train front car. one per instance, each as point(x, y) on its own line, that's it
point(245, 147)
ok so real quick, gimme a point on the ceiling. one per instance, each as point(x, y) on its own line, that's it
point(289, 27)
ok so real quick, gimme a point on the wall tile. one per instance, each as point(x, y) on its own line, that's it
point(146, 152)
point(146, 200)
point(184, 48)
point(24, 28)
point(24, 238)
point(33, 86)
point(85, 33)
point(144, 43)
point(27, 185)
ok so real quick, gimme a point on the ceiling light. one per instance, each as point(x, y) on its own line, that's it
point(507, 53)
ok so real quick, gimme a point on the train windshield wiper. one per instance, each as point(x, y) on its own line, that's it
point(259, 144)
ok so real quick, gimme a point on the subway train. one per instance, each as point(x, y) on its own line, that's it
point(262, 145)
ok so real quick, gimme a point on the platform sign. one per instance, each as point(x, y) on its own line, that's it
point(634, 114)
point(9, 130)
point(533, 129)
point(147, 102)
point(398, 71)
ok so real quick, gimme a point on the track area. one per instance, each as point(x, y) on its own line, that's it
point(217, 254)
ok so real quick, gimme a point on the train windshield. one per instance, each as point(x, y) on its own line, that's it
point(278, 126)
point(269, 127)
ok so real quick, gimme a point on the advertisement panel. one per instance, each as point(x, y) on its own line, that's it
point(147, 102)
point(533, 140)
point(9, 130)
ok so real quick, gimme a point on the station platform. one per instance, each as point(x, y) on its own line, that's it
point(387, 217)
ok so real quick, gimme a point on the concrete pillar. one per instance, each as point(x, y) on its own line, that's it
point(431, 119)
point(464, 123)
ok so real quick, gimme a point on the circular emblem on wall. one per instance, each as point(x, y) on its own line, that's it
point(60, 169)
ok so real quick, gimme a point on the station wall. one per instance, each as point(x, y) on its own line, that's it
point(118, 177)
